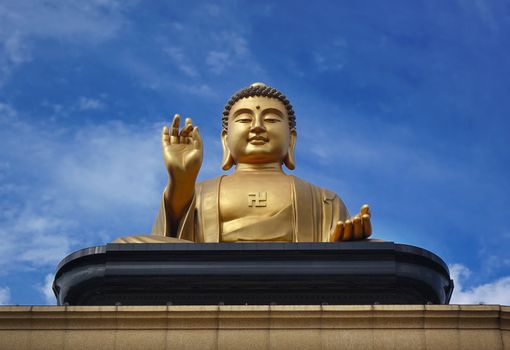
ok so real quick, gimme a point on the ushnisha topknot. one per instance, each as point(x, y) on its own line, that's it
point(258, 89)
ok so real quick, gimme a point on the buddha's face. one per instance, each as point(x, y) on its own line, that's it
point(258, 131)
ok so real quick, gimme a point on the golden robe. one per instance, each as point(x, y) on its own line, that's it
point(313, 213)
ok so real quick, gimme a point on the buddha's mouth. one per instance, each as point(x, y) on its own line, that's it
point(258, 140)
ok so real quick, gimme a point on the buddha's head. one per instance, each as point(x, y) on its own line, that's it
point(258, 127)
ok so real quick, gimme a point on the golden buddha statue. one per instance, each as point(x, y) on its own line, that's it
point(258, 202)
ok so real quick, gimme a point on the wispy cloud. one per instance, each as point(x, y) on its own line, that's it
point(217, 61)
point(483, 10)
point(332, 57)
point(384, 148)
point(85, 22)
point(160, 80)
point(5, 296)
point(234, 48)
point(107, 161)
point(496, 292)
point(107, 173)
point(201, 50)
point(46, 240)
point(7, 114)
point(181, 61)
point(15, 49)
point(46, 289)
point(87, 103)
point(212, 10)
point(91, 20)
point(69, 186)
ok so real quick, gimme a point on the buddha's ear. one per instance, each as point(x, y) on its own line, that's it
point(289, 159)
point(227, 161)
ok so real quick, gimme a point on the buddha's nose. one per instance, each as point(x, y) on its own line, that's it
point(257, 126)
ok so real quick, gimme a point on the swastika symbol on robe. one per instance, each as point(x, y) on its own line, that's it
point(257, 199)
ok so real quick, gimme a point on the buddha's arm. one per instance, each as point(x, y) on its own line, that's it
point(182, 153)
point(176, 200)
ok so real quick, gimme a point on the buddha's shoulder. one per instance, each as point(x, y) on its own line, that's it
point(324, 193)
point(209, 184)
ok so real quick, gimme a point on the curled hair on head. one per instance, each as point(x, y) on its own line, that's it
point(258, 89)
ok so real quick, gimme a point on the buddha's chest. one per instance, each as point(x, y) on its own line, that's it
point(253, 195)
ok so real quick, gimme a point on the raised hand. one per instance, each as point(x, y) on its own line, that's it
point(357, 228)
point(182, 150)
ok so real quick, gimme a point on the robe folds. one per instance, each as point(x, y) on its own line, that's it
point(310, 217)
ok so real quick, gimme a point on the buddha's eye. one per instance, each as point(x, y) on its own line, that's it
point(272, 119)
point(243, 118)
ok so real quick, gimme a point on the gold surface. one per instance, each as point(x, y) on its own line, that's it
point(256, 327)
point(258, 201)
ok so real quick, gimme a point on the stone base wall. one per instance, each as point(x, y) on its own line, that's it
point(256, 327)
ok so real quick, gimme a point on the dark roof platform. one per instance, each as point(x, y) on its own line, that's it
point(366, 272)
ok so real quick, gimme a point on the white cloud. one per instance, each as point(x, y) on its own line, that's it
point(330, 56)
point(46, 290)
point(67, 189)
point(202, 90)
point(362, 150)
point(87, 103)
point(212, 10)
point(496, 292)
point(16, 50)
point(204, 51)
point(181, 61)
point(30, 240)
point(64, 186)
point(392, 150)
point(110, 165)
point(89, 20)
point(7, 114)
point(85, 22)
point(217, 61)
point(206, 47)
point(160, 80)
point(5, 295)
point(483, 10)
point(234, 49)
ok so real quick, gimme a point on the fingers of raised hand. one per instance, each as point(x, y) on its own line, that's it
point(165, 136)
point(197, 139)
point(174, 133)
point(184, 136)
point(186, 131)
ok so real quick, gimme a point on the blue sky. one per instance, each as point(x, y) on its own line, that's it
point(400, 104)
